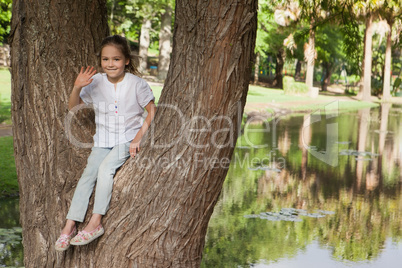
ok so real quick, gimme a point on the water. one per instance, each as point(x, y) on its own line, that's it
point(11, 251)
point(302, 192)
point(281, 180)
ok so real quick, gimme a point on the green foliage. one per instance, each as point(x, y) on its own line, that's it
point(291, 87)
point(329, 44)
point(126, 16)
point(5, 18)
point(8, 178)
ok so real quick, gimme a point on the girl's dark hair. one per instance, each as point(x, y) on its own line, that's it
point(121, 43)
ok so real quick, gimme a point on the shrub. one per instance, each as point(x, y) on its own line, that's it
point(353, 79)
point(291, 87)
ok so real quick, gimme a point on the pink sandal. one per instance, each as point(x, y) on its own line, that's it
point(63, 242)
point(84, 237)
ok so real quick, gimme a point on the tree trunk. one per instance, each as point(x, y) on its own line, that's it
point(112, 26)
point(298, 69)
point(278, 81)
point(164, 43)
point(163, 199)
point(368, 41)
point(256, 67)
point(327, 79)
point(310, 57)
point(144, 44)
point(49, 40)
point(386, 91)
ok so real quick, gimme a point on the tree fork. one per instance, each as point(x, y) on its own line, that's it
point(163, 199)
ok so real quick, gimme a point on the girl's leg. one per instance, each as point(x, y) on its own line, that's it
point(104, 185)
point(84, 188)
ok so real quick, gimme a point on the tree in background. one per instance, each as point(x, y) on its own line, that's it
point(147, 12)
point(392, 12)
point(123, 19)
point(165, 36)
point(145, 21)
point(5, 17)
point(367, 10)
point(330, 55)
point(261, 46)
point(277, 23)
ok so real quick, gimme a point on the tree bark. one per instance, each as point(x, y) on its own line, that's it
point(368, 41)
point(386, 91)
point(256, 67)
point(278, 80)
point(298, 69)
point(144, 44)
point(327, 79)
point(49, 40)
point(310, 58)
point(165, 35)
point(163, 199)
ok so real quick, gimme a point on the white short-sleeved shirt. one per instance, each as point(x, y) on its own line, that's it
point(118, 112)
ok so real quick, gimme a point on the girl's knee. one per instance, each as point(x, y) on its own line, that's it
point(106, 170)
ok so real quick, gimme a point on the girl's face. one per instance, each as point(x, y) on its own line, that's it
point(113, 63)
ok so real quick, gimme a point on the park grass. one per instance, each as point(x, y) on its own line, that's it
point(8, 177)
point(5, 96)
point(257, 94)
point(5, 85)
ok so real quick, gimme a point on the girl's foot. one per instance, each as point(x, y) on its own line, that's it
point(63, 242)
point(68, 228)
point(83, 237)
point(93, 223)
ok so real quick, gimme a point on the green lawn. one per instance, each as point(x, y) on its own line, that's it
point(5, 96)
point(257, 94)
point(5, 85)
point(8, 175)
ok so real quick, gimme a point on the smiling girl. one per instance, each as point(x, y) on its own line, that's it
point(119, 98)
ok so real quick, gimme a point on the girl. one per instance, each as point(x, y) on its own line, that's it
point(119, 98)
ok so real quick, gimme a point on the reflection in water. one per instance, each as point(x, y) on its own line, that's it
point(364, 191)
point(11, 252)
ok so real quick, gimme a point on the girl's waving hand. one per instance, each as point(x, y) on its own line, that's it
point(84, 77)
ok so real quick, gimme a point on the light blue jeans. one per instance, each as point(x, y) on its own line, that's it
point(101, 167)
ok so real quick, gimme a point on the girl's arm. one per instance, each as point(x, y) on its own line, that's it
point(83, 79)
point(135, 144)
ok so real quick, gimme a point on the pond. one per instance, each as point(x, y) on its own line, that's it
point(313, 191)
point(302, 191)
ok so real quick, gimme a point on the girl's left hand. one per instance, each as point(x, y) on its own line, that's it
point(134, 148)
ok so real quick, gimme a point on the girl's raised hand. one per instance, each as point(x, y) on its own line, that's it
point(84, 77)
